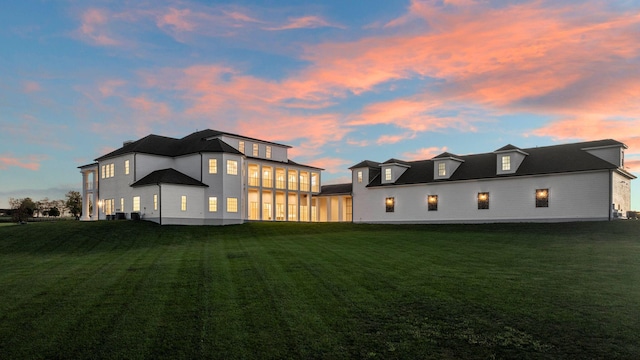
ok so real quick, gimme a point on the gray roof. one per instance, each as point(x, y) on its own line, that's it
point(168, 176)
point(336, 189)
point(540, 160)
point(366, 163)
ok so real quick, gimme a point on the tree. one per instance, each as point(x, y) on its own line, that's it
point(23, 209)
point(74, 203)
point(54, 212)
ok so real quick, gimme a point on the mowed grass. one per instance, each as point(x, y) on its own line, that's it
point(128, 290)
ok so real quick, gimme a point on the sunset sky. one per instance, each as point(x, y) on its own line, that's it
point(340, 81)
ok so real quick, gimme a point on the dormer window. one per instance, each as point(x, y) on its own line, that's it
point(442, 169)
point(387, 174)
point(241, 146)
point(506, 163)
point(255, 150)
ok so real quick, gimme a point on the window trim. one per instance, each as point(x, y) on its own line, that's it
point(213, 166)
point(388, 174)
point(442, 169)
point(232, 167)
point(359, 175)
point(213, 204)
point(183, 203)
point(255, 151)
point(506, 162)
point(234, 208)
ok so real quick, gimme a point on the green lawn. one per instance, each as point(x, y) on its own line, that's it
point(132, 290)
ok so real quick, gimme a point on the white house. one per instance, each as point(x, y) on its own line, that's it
point(217, 178)
point(208, 177)
point(580, 181)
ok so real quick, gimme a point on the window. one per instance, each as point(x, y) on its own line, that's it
point(213, 166)
point(359, 176)
point(241, 146)
point(183, 203)
point(122, 204)
point(293, 180)
point(267, 180)
point(483, 201)
point(108, 170)
point(232, 205)
point(304, 181)
point(136, 203)
point(232, 167)
point(442, 169)
point(280, 181)
point(315, 182)
point(103, 172)
point(126, 167)
point(506, 163)
point(112, 169)
point(268, 152)
point(432, 200)
point(255, 150)
point(390, 204)
point(213, 204)
point(387, 174)
point(542, 198)
point(155, 201)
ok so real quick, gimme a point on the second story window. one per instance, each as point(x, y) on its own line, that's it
point(255, 150)
point(213, 166)
point(268, 152)
point(359, 176)
point(387, 174)
point(232, 167)
point(506, 163)
point(442, 169)
point(126, 167)
point(241, 146)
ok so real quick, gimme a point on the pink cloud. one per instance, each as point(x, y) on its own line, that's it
point(108, 88)
point(31, 87)
point(94, 27)
point(632, 165)
point(424, 153)
point(178, 19)
point(31, 162)
point(305, 22)
point(331, 165)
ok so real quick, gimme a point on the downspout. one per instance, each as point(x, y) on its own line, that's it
point(160, 202)
point(134, 167)
point(609, 208)
point(200, 166)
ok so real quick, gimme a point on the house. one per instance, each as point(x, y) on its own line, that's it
point(206, 178)
point(217, 178)
point(580, 181)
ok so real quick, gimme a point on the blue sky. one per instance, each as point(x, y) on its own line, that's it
point(339, 81)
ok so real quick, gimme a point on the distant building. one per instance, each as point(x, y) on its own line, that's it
point(580, 181)
point(217, 178)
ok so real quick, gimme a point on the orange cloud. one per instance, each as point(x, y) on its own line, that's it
point(424, 153)
point(632, 165)
point(587, 128)
point(178, 19)
point(31, 162)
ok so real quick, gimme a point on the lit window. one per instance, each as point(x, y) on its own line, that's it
point(136, 203)
point(387, 174)
point(315, 182)
point(255, 150)
point(268, 152)
point(183, 203)
point(103, 173)
point(442, 169)
point(213, 204)
point(232, 205)
point(155, 201)
point(213, 166)
point(293, 180)
point(390, 204)
point(232, 167)
point(359, 176)
point(267, 181)
point(483, 201)
point(113, 172)
point(542, 198)
point(506, 163)
point(126, 167)
point(433, 202)
point(241, 146)
point(122, 204)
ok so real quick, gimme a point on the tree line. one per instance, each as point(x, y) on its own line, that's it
point(25, 208)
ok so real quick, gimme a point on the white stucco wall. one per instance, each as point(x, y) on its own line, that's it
point(578, 196)
point(621, 194)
